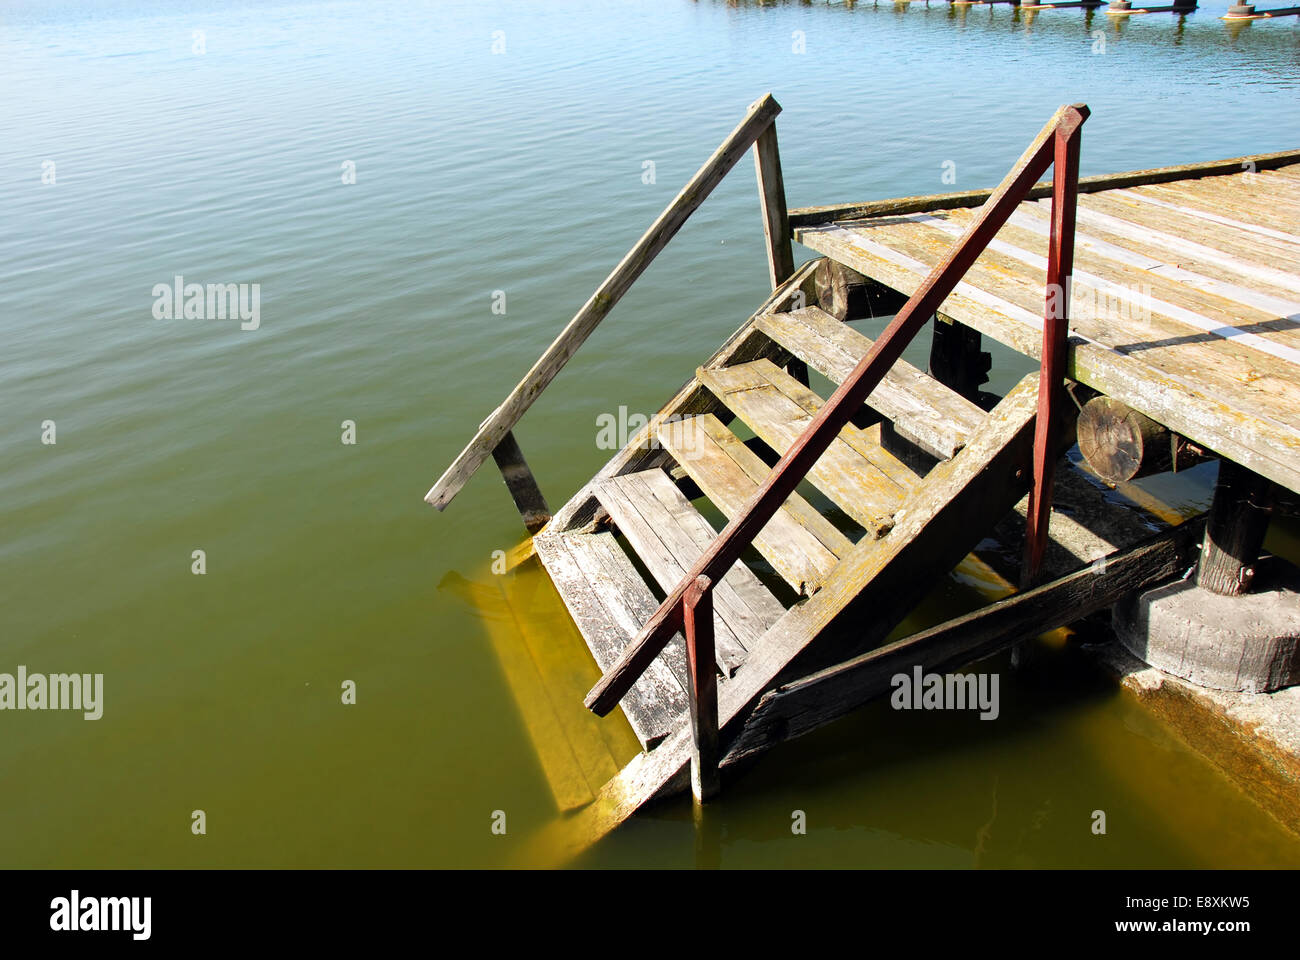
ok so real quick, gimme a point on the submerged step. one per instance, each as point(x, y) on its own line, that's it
point(800, 544)
point(862, 478)
point(610, 603)
point(669, 536)
point(923, 410)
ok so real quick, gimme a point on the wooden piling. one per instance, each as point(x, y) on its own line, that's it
point(1239, 515)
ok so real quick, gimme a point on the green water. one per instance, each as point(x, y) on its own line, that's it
point(476, 172)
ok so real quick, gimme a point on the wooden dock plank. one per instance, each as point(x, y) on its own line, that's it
point(799, 543)
point(1260, 256)
point(1172, 346)
point(1036, 219)
point(1226, 417)
point(1175, 299)
point(1198, 259)
point(669, 539)
point(554, 665)
point(779, 409)
point(922, 409)
point(1231, 206)
point(609, 603)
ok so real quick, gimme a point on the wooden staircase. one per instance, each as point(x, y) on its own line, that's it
point(646, 533)
point(840, 513)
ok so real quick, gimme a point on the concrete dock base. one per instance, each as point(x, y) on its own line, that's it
point(1248, 643)
point(1253, 738)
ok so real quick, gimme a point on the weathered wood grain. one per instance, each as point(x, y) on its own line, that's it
point(923, 410)
point(1234, 536)
point(669, 539)
point(608, 602)
point(521, 483)
point(779, 410)
point(1229, 413)
point(800, 544)
point(771, 194)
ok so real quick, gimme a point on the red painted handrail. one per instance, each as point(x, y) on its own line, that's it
point(1057, 143)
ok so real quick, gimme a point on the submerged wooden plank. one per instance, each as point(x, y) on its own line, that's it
point(765, 399)
point(609, 602)
point(799, 543)
point(570, 779)
point(922, 409)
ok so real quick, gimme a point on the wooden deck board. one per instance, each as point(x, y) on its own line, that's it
point(799, 543)
point(779, 409)
point(1239, 207)
point(1209, 266)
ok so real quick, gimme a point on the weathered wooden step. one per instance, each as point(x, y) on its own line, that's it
point(669, 535)
point(610, 603)
point(864, 479)
point(800, 544)
point(923, 410)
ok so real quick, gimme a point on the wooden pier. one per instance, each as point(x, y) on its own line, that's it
point(1173, 294)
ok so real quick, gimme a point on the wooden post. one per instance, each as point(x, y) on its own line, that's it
point(1056, 324)
point(1121, 444)
point(521, 483)
point(1243, 501)
point(776, 220)
point(841, 292)
point(698, 621)
point(956, 359)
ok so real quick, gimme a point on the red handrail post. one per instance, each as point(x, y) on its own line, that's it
point(1056, 324)
point(697, 614)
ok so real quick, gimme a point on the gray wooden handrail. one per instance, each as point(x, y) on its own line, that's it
point(502, 420)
